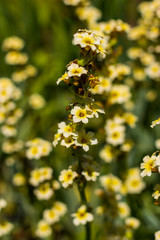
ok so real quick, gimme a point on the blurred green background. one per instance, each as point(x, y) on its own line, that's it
point(47, 26)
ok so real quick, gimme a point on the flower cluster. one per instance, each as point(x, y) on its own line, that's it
point(13, 46)
point(82, 216)
point(99, 84)
point(11, 93)
point(113, 92)
point(9, 112)
point(38, 148)
point(113, 196)
point(144, 53)
point(50, 217)
point(89, 172)
point(44, 188)
point(80, 78)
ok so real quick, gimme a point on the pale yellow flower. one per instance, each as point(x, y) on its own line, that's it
point(19, 179)
point(123, 209)
point(155, 122)
point(75, 70)
point(66, 177)
point(43, 229)
point(132, 222)
point(50, 216)
point(36, 101)
point(85, 139)
point(12, 43)
point(148, 164)
point(82, 216)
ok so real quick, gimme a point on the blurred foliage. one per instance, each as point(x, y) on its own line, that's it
point(47, 28)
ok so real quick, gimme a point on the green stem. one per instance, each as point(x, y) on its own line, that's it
point(88, 231)
point(81, 189)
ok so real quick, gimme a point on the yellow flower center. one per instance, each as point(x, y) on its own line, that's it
point(149, 165)
point(44, 228)
point(34, 150)
point(88, 40)
point(115, 135)
point(76, 71)
point(81, 215)
point(81, 113)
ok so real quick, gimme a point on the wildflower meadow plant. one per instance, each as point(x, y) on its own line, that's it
point(69, 168)
point(114, 94)
point(80, 79)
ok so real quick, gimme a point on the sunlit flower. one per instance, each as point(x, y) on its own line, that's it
point(6, 89)
point(36, 101)
point(66, 130)
point(94, 110)
point(44, 192)
point(12, 43)
point(80, 114)
point(119, 94)
point(38, 148)
point(88, 13)
point(19, 76)
point(12, 146)
point(75, 70)
point(132, 222)
point(148, 164)
point(123, 209)
point(90, 176)
point(30, 70)
point(8, 131)
point(156, 195)
point(43, 229)
point(57, 138)
point(82, 216)
point(134, 52)
point(155, 122)
point(68, 141)
point(50, 216)
point(157, 235)
point(86, 40)
point(85, 139)
point(130, 119)
point(90, 41)
point(5, 228)
point(66, 177)
point(153, 70)
point(116, 136)
point(107, 153)
point(134, 185)
point(40, 175)
point(56, 185)
point(16, 58)
point(60, 208)
point(63, 78)
point(36, 177)
point(104, 86)
point(19, 179)
point(34, 152)
point(111, 182)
